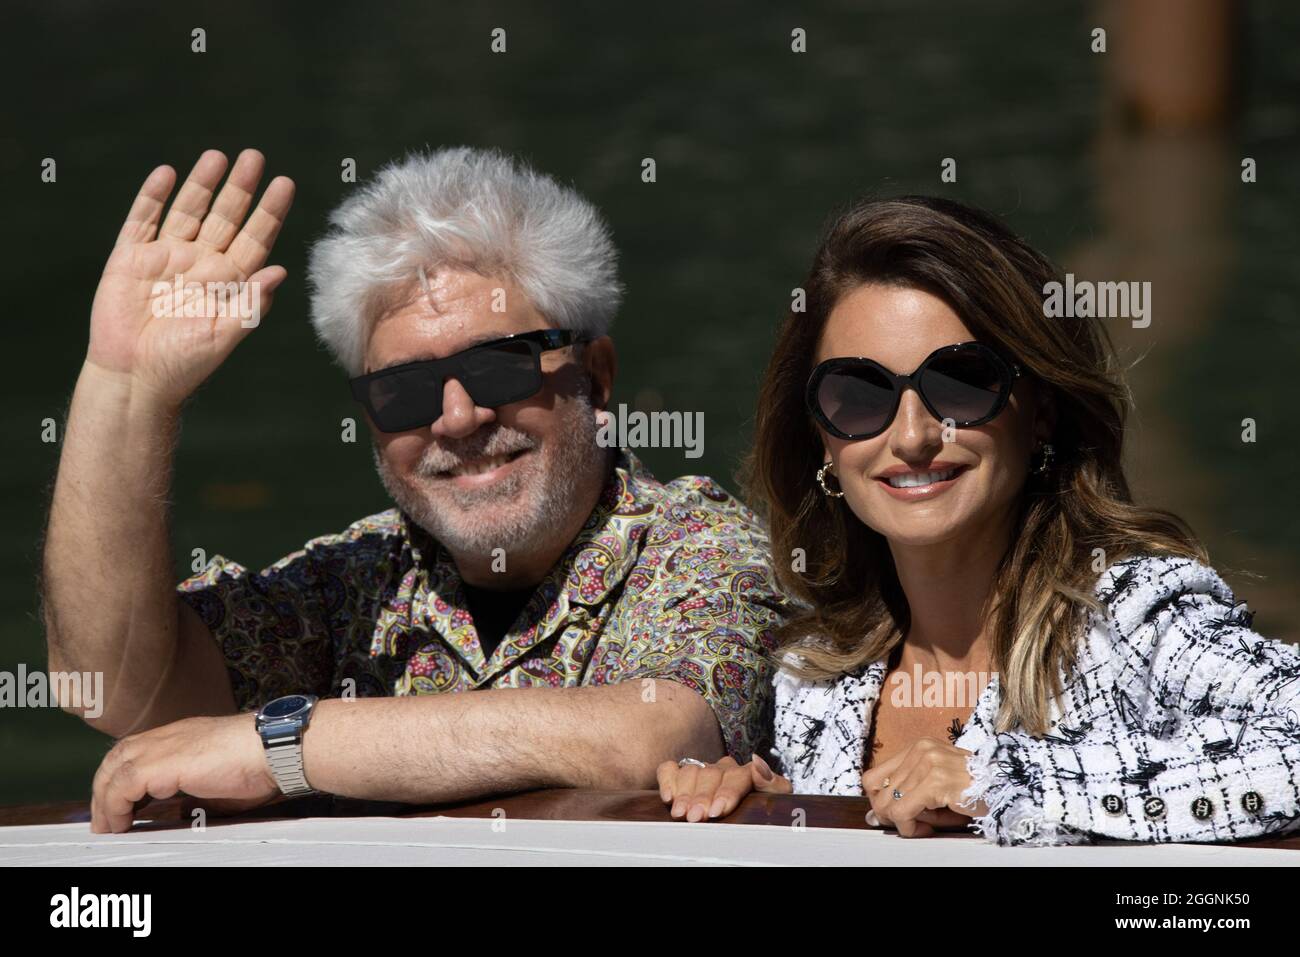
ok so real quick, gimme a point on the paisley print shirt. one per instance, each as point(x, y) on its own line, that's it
point(665, 581)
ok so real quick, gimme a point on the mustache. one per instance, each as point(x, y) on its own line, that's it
point(447, 454)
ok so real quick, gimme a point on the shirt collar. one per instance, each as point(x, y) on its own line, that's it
point(596, 563)
point(608, 545)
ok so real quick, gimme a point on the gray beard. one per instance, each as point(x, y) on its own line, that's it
point(519, 513)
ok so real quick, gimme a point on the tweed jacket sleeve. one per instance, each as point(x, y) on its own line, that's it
point(1179, 724)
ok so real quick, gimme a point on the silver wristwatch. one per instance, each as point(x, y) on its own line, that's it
point(281, 724)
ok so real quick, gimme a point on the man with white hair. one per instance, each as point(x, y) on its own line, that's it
point(607, 622)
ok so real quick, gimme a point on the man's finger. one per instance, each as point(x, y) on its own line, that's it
point(98, 822)
point(252, 246)
point(264, 283)
point(186, 215)
point(131, 785)
point(141, 224)
point(221, 225)
point(121, 788)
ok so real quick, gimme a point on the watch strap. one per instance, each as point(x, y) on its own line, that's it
point(285, 759)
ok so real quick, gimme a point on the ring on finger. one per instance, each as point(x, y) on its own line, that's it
point(692, 762)
point(898, 795)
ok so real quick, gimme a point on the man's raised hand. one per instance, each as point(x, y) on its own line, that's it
point(170, 345)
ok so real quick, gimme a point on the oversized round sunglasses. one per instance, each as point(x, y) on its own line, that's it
point(494, 373)
point(857, 398)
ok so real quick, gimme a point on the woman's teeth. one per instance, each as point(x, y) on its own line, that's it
point(917, 479)
point(480, 466)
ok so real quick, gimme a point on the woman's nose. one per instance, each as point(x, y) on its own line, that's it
point(915, 432)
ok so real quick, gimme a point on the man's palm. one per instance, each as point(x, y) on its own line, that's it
point(201, 241)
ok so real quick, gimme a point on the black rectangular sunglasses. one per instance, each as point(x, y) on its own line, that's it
point(494, 373)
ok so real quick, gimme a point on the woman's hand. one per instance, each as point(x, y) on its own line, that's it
point(210, 241)
point(931, 776)
point(715, 790)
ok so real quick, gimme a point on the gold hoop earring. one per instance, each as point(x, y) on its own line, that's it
point(1048, 453)
point(821, 480)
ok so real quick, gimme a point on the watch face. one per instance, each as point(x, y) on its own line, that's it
point(283, 707)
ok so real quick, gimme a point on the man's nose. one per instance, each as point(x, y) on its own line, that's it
point(460, 416)
point(916, 433)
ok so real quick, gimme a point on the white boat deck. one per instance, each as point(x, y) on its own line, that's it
point(446, 841)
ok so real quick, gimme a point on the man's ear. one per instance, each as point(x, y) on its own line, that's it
point(601, 362)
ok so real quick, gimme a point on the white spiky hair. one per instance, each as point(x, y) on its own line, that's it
point(476, 209)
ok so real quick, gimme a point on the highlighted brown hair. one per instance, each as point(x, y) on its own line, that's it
point(1037, 607)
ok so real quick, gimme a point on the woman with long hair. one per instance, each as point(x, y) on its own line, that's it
point(940, 464)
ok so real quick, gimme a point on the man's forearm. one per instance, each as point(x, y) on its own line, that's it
point(454, 746)
point(110, 604)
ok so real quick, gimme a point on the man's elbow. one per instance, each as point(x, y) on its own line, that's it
point(58, 670)
point(81, 693)
point(679, 724)
point(55, 642)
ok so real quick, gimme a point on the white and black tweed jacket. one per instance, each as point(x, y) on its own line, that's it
point(1179, 723)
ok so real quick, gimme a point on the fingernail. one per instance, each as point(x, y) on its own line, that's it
point(716, 807)
point(872, 820)
point(696, 813)
point(679, 808)
point(764, 771)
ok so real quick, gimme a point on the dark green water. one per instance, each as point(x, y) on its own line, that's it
point(754, 147)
